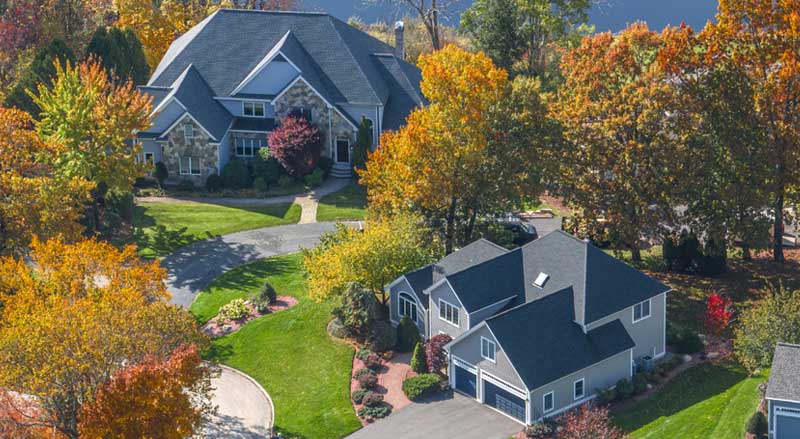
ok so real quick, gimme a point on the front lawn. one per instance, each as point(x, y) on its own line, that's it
point(305, 371)
point(706, 402)
point(348, 204)
point(161, 228)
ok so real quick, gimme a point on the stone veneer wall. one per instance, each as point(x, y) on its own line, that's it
point(301, 95)
point(200, 147)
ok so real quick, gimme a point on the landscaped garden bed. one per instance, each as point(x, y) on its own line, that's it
point(217, 327)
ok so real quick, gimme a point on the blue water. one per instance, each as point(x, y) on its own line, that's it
point(611, 15)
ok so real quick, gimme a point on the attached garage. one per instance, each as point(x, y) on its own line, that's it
point(787, 425)
point(466, 380)
point(783, 393)
point(503, 400)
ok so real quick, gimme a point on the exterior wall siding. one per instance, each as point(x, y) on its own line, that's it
point(648, 334)
point(599, 376)
point(200, 147)
point(272, 79)
point(166, 117)
point(394, 313)
point(483, 314)
point(469, 349)
point(151, 146)
point(437, 325)
point(771, 419)
point(356, 112)
point(234, 106)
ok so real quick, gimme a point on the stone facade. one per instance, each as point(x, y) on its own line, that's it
point(329, 122)
point(199, 148)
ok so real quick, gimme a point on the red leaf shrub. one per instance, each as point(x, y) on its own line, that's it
point(435, 354)
point(296, 145)
point(719, 310)
point(367, 381)
point(588, 421)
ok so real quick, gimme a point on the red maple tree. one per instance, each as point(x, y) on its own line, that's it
point(435, 354)
point(297, 145)
point(719, 311)
point(588, 421)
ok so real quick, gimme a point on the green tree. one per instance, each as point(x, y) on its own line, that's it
point(407, 335)
point(762, 326)
point(495, 26)
point(41, 72)
point(419, 363)
point(363, 143)
point(120, 53)
point(358, 309)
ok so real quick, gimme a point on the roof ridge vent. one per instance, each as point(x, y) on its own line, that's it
point(540, 280)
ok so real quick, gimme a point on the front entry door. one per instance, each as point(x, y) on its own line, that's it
point(343, 151)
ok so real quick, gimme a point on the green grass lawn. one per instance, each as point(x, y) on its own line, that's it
point(347, 204)
point(161, 228)
point(706, 402)
point(305, 371)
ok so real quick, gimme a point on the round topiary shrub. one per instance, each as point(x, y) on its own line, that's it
point(260, 184)
point(407, 335)
point(363, 353)
point(234, 310)
point(421, 385)
point(186, 185)
point(214, 183)
point(363, 371)
point(358, 395)
point(757, 424)
point(372, 399)
point(235, 175)
point(337, 330)
point(367, 381)
point(639, 382)
point(378, 412)
point(373, 361)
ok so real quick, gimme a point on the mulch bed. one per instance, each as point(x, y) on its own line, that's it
point(390, 382)
point(214, 328)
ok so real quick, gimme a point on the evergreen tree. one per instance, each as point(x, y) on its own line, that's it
point(120, 51)
point(495, 26)
point(419, 362)
point(363, 144)
point(41, 71)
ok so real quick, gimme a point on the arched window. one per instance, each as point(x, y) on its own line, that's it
point(407, 306)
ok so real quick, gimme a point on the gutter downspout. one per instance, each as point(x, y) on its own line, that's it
point(330, 134)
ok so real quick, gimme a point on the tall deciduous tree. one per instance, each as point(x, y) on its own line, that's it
point(475, 150)
point(588, 421)
point(120, 53)
point(156, 398)
point(74, 315)
point(495, 28)
point(95, 118)
point(33, 201)
point(41, 71)
point(763, 37)
point(760, 327)
point(619, 166)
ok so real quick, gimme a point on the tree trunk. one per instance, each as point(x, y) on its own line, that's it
point(636, 254)
point(746, 255)
point(777, 226)
point(450, 228)
point(470, 226)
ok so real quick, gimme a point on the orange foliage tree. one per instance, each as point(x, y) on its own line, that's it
point(73, 315)
point(34, 201)
point(154, 398)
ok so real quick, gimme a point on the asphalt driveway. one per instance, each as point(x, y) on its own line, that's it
point(452, 416)
point(244, 409)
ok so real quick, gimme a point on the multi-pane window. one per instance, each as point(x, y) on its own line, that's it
point(448, 312)
point(549, 402)
point(407, 307)
point(247, 147)
point(189, 165)
point(188, 131)
point(488, 349)
point(641, 311)
point(253, 109)
point(578, 391)
point(149, 158)
point(305, 113)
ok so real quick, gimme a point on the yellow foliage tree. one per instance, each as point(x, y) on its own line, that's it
point(33, 201)
point(74, 315)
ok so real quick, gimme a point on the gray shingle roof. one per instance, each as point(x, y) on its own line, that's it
point(194, 93)
point(229, 44)
point(544, 344)
point(490, 282)
point(403, 81)
point(784, 378)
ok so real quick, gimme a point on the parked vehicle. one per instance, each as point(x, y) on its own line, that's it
point(523, 233)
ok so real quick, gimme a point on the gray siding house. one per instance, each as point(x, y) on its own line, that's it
point(539, 329)
point(222, 87)
point(783, 393)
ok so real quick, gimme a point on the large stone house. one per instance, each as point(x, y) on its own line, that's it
point(539, 329)
point(222, 87)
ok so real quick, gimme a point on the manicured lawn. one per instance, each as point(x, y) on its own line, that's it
point(305, 371)
point(706, 402)
point(347, 204)
point(161, 228)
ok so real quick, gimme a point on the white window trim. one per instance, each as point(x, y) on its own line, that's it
point(583, 389)
point(400, 300)
point(252, 146)
point(649, 311)
point(544, 402)
point(151, 155)
point(185, 126)
point(494, 350)
point(180, 166)
point(441, 301)
point(263, 109)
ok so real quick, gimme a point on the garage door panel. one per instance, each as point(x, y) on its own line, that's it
point(466, 381)
point(788, 427)
point(504, 401)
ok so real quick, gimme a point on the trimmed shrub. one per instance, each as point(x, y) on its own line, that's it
point(236, 309)
point(407, 335)
point(757, 424)
point(358, 309)
point(358, 395)
point(372, 399)
point(639, 382)
point(235, 175)
point(214, 183)
point(267, 167)
point(264, 298)
point(121, 202)
point(539, 430)
point(418, 362)
point(373, 361)
point(378, 412)
point(161, 173)
point(285, 181)
point(367, 381)
point(435, 353)
point(186, 185)
point(338, 330)
point(381, 337)
point(260, 184)
point(607, 396)
point(683, 341)
point(421, 385)
point(315, 178)
point(624, 389)
point(363, 371)
point(363, 353)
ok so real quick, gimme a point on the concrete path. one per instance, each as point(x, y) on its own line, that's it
point(307, 201)
point(244, 408)
point(450, 416)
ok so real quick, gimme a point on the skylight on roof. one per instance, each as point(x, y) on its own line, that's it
point(541, 279)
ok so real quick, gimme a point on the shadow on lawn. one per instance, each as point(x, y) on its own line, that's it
point(691, 387)
point(253, 276)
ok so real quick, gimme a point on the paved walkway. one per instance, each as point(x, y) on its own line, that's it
point(307, 201)
point(245, 409)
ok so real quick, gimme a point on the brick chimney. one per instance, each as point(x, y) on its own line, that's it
point(399, 48)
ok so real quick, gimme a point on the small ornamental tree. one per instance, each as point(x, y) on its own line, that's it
point(296, 145)
point(419, 363)
point(435, 354)
point(588, 421)
point(359, 309)
point(719, 310)
point(407, 335)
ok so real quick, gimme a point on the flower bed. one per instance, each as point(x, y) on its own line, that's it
point(390, 376)
point(217, 328)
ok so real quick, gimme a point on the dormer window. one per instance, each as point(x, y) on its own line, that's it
point(540, 280)
point(253, 109)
